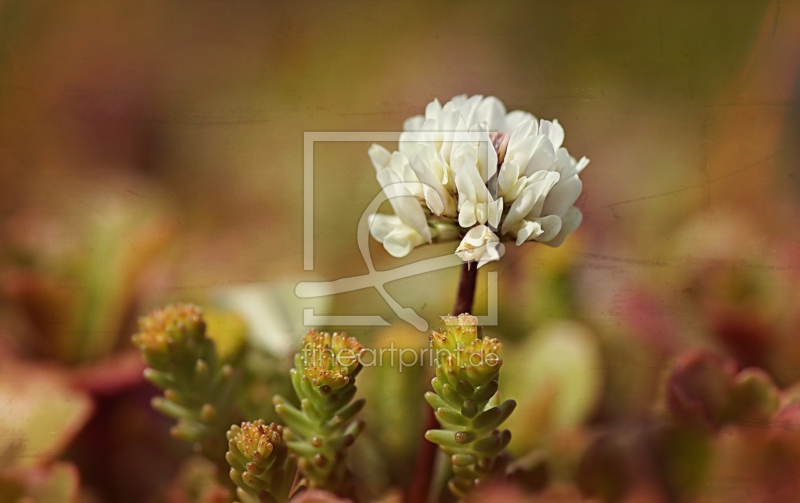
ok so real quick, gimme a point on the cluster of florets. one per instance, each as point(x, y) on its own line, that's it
point(330, 359)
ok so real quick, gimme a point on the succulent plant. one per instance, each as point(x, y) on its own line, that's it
point(467, 404)
point(261, 466)
point(198, 389)
point(324, 426)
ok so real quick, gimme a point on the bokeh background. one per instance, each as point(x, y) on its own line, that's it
point(152, 152)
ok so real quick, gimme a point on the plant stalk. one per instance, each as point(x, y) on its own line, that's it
point(420, 486)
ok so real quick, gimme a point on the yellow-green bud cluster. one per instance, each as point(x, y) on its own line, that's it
point(330, 359)
point(198, 390)
point(467, 405)
point(261, 466)
point(325, 425)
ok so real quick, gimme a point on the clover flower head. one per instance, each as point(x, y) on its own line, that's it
point(330, 359)
point(470, 170)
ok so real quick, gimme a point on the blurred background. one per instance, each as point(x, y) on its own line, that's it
point(152, 152)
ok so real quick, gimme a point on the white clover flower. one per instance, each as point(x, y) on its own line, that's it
point(470, 169)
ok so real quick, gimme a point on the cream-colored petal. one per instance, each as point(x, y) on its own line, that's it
point(509, 174)
point(528, 201)
point(493, 252)
point(467, 214)
point(562, 196)
point(581, 165)
point(405, 205)
point(379, 156)
point(515, 118)
point(433, 109)
point(380, 225)
point(439, 200)
point(495, 213)
point(528, 230)
point(402, 240)
point(524, 130)
point(492, 111)
point(554, 132)
point(551, 225)
point(542, 157)
point(569, 222)
point(414, 123)
point(550, 179)
point(468, 109)
point(487, 155)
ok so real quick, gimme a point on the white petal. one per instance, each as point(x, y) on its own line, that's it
point(493, 252)
point(405, 205)
point(542, 157)
point(570, 221)
point(482, 212)
point(522, 150)
point(509, 174)
point(414, 123)
point(550, 179)
point(516, 190)
point(524, 130)
point(493, 112)
point(551, 225)
point(527, 201)
point(381, 225)
point(468, 180)
point(437, 197)
point(487, 155)
point(451, 123)
point(515, 118)
point(433, 200)
point(379, 156)
point(581, 164)
point(554, 132)
point(528, 230)
point(402, 240)
point(562, 196)
point(433, 109)
point(410, 139)
point(495, 213)
point(466, 214)
point(467, 110)
point(564, 163)
point(455, 102)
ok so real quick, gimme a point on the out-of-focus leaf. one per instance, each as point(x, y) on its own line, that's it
point(698, 387)
point(318, 496)
point(196, 482)
point(111, 374)
point(555, 378)
point(39, 414)
point(57, 483)
point(227, 330)
point(705, 388)
point(272, 312)
point(394, 387)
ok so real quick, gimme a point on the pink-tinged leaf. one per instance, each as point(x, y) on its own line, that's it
point(110, 375)
point(39, 413)
point(318, 496)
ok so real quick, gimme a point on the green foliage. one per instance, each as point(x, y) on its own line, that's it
point(322, 429)
point(198, 389)
point(261, 466)
point(467, 404)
